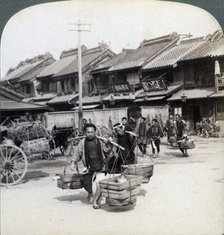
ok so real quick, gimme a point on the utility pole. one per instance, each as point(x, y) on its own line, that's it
point(79, 30)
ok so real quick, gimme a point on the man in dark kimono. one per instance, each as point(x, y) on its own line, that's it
point(94, 153)
point(127, 141)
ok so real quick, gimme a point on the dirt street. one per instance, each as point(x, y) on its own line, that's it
point(185, 196)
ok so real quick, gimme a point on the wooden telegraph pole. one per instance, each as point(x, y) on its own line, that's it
point(79, 30)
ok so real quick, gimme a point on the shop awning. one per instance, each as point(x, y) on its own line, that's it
point(190, 94)
point(150, 98)
point(113, 96)
point(20, 106)
point(85, 107)
point(218, 94)
point(63, 99)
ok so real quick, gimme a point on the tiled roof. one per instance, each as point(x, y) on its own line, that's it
point(73, 66)
point(21, 71)
point(136, 57)
point(150, 98)
point(33, 74)
point(85, 107)
point(174, 54)
point(209, 49)
point(25, 70)
point(46, 96)
point(68, 63)
point(197, 93)
point(112, 62)
point(63, 99)
point(7, 92)
point(91, 99)
point(57, 66)
point(14, 106)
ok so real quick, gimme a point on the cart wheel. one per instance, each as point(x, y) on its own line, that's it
point(13, 164)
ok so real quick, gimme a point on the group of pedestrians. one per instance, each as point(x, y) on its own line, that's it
point(149, 132)
point(107, 155)
point(175, 128)
point(206, 127)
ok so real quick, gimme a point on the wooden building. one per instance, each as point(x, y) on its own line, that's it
point(12, 105)
point(202, 74)
point(22, 79)
point(122, 73)
point(61, 78)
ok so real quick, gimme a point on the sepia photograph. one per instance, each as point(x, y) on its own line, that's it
point(112, 117)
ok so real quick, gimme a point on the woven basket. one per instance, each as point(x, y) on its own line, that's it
point(35, 146)
point(187, 144)
point(70, 181)
point(144, 170)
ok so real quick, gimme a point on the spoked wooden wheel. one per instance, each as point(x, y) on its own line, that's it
point(13, 164)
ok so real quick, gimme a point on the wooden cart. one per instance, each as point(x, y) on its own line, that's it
point(17, 145)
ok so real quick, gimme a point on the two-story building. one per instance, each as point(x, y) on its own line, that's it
point(118, 81)
point(59, 82)
point(22, 79)
point(201, 72)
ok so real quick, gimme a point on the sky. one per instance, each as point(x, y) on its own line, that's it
point(119, 23)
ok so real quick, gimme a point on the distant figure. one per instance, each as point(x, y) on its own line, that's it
point(154, 133)
point(141, 140)
point(170, 127)
point(180, 131)
point(84, 122)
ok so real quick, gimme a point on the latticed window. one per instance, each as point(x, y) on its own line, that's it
point(220, 110)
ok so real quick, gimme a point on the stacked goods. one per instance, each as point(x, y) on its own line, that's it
point(27, 131)
point(187, 144)
point(70, 181)
point(121, 190)
point(35, 146)
point(145, 170)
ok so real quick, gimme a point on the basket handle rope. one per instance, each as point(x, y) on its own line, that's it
point(65, 167)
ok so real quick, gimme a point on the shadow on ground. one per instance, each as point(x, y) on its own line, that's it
point(80, 196)
point(35, 175)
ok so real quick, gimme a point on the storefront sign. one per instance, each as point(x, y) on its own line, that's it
point(154, 85)
point(124, 87)
point(221, 81)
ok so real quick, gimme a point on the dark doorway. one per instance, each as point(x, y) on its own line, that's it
point(196, 114)
point(134, 111)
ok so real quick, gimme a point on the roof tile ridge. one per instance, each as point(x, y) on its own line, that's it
point(191, 40)
point(160, 39)
point(30, 71)
point(196, 48)
point(96, 58)
point(173, 43)
point(189, 51)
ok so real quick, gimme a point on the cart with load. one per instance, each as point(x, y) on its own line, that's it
point(19, 143)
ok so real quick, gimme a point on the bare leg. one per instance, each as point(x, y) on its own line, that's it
point(97, 197)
